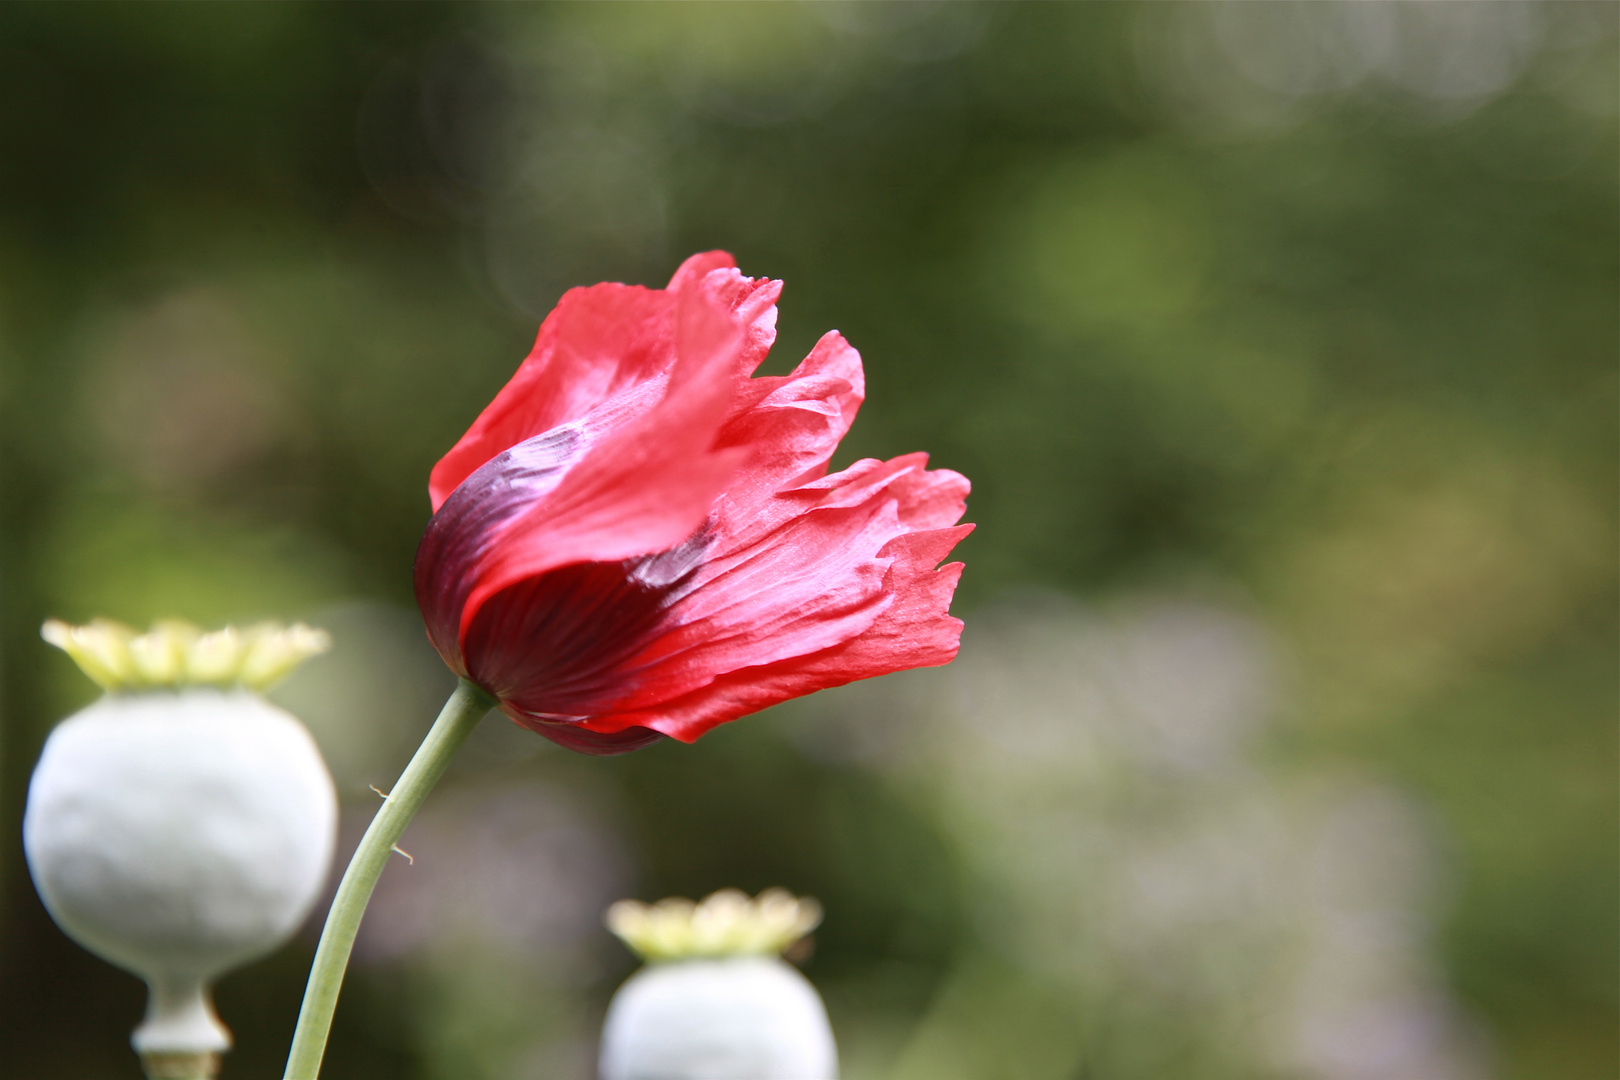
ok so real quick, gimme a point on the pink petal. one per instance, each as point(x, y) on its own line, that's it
point(914, 631)
point(751, 302)
point(644, 486)
point(582, 739)
point(690, 274)
point(555, 646)
point(598, 342)
point(792, 424)
point(825, 577)
point(595, 343)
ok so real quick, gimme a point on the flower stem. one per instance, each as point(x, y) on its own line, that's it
point(456, 721)
point(180, 1066)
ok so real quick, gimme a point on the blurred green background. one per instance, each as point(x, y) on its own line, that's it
point(1279, 342)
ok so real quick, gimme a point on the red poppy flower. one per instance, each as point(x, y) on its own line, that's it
point(637, 539)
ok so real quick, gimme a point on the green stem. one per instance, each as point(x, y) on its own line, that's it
point(180, 1066)
point(460, 715)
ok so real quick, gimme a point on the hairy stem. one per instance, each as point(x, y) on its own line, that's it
point(460, 715)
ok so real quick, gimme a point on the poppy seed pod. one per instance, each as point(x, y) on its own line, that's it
point(181, 825)
point(716, 1001)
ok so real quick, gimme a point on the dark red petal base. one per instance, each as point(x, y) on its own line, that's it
point(582, 739)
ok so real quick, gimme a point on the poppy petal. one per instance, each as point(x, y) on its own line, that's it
point(645, 485)
point(597, 342)
point(827, 576)
point(914, 631)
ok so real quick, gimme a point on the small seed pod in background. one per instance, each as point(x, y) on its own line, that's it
point(715, 1000)
point(181, 825)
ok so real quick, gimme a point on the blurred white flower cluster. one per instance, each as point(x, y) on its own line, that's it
point(1153, 888)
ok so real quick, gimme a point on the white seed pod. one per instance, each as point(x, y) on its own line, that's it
point(715, 1002)
point(178, 833)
